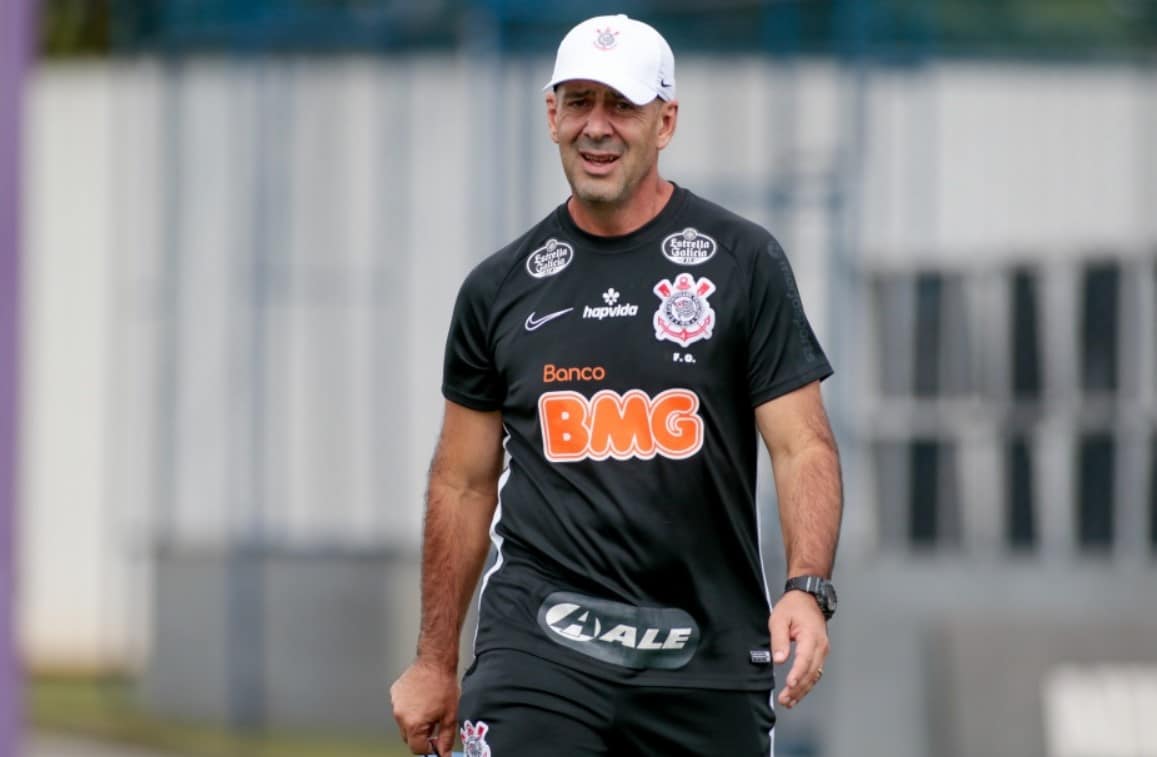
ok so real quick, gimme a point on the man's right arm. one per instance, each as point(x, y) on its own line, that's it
point(460, 502)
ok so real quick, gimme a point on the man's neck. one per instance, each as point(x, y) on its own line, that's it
point(607, 220)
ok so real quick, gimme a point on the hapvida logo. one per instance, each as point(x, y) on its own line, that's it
point(625, 310)
point(612, 309)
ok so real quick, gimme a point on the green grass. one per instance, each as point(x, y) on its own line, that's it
point(104, 708)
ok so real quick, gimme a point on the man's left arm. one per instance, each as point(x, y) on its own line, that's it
point(806, 464)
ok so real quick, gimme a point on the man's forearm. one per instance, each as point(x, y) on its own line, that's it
point(810, 507)
point(453, 552)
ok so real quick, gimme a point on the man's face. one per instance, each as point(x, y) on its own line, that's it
point(607, 143)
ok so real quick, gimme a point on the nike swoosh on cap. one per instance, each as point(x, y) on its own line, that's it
point(532, 323)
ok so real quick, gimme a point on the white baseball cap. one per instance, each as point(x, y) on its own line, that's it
point(620, 52)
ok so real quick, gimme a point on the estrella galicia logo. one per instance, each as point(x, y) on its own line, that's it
point(549, 259)
point(689, 247)
point(662, 638)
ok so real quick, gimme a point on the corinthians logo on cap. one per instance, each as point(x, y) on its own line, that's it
point(605, 39)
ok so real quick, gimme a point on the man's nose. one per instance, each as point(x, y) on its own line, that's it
point(598, 125)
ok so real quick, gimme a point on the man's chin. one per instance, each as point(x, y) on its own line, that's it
point(597, 194)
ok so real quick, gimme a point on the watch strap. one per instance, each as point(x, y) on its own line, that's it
point(810, 584)
point(815, 585)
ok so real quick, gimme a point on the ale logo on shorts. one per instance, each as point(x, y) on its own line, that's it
point(549, 259)
point(689, 247)
point(663, 638)
point(622, 426)
point(474, 739)
point(684, 315)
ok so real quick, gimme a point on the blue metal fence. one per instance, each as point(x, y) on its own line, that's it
point(521, 25)
point(890, 28)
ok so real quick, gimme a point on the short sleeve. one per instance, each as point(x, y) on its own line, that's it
point(468, 373)
point(783, 352)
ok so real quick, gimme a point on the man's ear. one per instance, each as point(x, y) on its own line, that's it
point(552, 115)
point(668, 120)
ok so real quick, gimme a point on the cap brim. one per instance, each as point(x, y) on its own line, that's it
point(639, 94)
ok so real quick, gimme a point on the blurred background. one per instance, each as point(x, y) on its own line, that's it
point(244, 223)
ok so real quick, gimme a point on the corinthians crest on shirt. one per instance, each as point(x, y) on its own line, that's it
point(684, 315)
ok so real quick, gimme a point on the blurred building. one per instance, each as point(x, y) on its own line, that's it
point(247, 228)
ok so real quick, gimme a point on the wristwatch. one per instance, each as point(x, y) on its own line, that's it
point(819, 587)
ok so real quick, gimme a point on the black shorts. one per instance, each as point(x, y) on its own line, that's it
point(520, 705)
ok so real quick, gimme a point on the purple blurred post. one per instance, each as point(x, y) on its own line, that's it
point(15, 36)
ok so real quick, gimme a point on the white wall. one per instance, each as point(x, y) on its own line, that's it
point(69, 560)
point(366, 189)
point(970, 162)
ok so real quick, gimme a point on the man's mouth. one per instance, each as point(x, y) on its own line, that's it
point(599, 158)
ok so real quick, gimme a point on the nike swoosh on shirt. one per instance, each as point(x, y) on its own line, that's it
point(532, 323)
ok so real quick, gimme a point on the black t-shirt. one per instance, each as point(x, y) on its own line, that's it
point(627, 370)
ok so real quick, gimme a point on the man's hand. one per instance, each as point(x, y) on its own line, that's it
point(425, 700)
point(796, 618)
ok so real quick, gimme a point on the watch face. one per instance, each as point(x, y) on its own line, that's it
point(829, 593)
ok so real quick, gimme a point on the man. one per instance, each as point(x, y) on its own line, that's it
point(623, 353)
